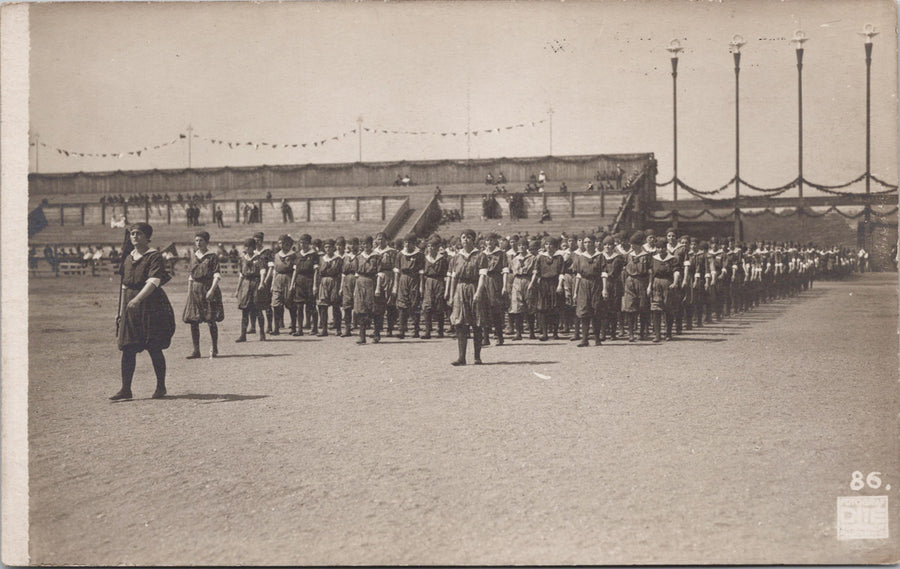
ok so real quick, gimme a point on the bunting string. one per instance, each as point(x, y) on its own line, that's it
point(257, 145)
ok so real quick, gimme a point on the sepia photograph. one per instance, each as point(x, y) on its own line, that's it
point(584, 282)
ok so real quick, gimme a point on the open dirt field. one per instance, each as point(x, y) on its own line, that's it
point(729, 445)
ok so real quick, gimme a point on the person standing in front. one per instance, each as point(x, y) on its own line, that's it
point(204, 301)
point(147, 318)
point(468, 271)
point(251, 273)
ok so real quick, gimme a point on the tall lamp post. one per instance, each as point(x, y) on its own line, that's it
point(869, 33)
point(797, 40)
point(735, 47)
point(674, 48)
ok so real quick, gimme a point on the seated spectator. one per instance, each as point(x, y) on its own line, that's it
point(545, 215)
point(563, 188)
point(501, 179)
point(542, 179)
point(532, 179)
point(590, 187)
point(406, 181)
point(489, 179)
point(233, 253)
point(399, 180)
point(437, 192)
point(208, 195)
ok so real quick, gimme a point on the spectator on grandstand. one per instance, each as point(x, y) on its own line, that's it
point(590, 187)
point(50, 257)
point(501, 179)
point(437, 193)
point(620, 172)
point(221, 253)
point(399, 180)
point(406, 181)
point(269, 196)
point(287, 214)
point(179, 198)
point(246, 213)
point(220, 218)
point(489, 179)
point(233, 253)
point(208, 195)
point(542, 179)
point(254, 214)
point(167, 198)
point(545, 215)
point(563, 188)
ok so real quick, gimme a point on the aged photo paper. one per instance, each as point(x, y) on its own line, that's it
point(449, 283)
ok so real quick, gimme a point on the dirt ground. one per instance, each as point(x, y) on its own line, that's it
point(729, 445)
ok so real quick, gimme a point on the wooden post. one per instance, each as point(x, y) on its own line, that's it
point(333, 209)
point(82, 214)
point(602, 201)
point(237, 211)
point(260, 211)
point(572, 203)
point(383, 208)
point(308, 210)
point(103, 213)
point(169, 213)
point(462, 206)
point(357, 207)
point(62, 215)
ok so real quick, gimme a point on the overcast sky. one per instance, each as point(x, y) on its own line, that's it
point(116, 78)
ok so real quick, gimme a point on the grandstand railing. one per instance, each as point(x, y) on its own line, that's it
point(310, 209)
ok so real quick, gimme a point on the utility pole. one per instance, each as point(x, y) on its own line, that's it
point(190, 131)
point(359, 122)
point(550, 112)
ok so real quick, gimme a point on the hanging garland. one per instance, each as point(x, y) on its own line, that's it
point(778, 190)
point(826, 189)
point(891, 187)
point(658, 185)
point(701, 193)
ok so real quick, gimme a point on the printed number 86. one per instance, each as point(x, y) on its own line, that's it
point(873, 481)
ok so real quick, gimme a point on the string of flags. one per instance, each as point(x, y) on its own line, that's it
point(232, 144)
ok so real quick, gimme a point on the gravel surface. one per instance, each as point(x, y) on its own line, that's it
point(729, 445)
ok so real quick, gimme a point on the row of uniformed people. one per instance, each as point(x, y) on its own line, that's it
point(611, 285)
